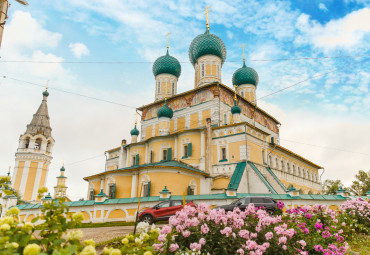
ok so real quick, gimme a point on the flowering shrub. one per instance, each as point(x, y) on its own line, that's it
point(18, 238)
point(305, 230)
point(141, 243)
point(359, 210)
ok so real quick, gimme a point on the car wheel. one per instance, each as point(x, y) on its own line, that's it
point(147, 218)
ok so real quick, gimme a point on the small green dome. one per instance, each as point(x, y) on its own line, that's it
point(207, 44)
point(245, 75)
point(167, 64)
point(165, 111)
point(45, 93)
point(62, 169)
point(134, 131)
point(236, 109)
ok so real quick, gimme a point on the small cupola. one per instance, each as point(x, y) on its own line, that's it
point(134, 134)
point(166, 70)
point(164, 114)
point(245, 79)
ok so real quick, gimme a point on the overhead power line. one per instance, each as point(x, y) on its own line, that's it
point(68, 92)
point(149, 62)
point(324, 147)
point(310, 78)
point(133, 107)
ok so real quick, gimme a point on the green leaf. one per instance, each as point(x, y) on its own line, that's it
point(35, 219)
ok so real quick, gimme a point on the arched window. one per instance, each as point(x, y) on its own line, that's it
point(282, 165)
point(242, 93)
point(173, 88)
point(270, 161)
point(277, 163)
point(288, 168)
point(159, 87)
point(48, 146)
point(27, 142)
point(202, 70)
point(38, 144)
point(263, 157)
point(294, 170)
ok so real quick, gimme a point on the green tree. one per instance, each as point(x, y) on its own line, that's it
point(361, 184)
point(330, 187)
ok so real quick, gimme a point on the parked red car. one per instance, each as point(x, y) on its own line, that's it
point(162, 211)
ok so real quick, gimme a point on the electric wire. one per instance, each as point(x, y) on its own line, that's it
point(310, 78)
point(66, 91)
point(148, 62)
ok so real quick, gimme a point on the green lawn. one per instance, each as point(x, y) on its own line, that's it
point(361, 244)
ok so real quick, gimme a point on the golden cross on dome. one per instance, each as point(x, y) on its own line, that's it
point(135, 118)
point(47, 84)
point(235, 93)
point(243, 51)
point(168, 40)
point(206, 11)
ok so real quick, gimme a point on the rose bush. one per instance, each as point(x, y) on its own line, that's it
point(303, 230)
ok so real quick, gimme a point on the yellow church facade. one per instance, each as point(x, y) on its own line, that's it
point(210, 140)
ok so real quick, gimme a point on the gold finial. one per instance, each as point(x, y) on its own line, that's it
point(206, 11)
point(135, 118)
point(168, 40)
point(235, 93)
point(47, 85)
point(63, 162)
point(243, 51)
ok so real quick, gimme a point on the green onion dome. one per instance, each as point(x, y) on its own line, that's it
point(207, 44)
point(165, 111)
point(134, 131)
point(167, 64)
point(236, 109)
point(245, 75)
point(45, 93)
point(62, 169)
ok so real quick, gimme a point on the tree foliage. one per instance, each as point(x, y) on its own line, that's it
point(330, 187)
point(361, 184)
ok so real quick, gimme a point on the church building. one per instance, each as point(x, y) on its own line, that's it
point(213, 139)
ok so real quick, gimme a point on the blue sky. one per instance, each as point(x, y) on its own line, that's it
point(330, 111)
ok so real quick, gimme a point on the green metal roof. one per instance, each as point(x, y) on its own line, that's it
point(207, 44)
point(237, 176)
point(134, 131)
point(263, 179)
point(191, 197)
point(165, 111)
point(245, 75)
point(167, 64)
point(276, 178)
point(235, 109)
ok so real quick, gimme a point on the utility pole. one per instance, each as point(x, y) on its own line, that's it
point(4, 5)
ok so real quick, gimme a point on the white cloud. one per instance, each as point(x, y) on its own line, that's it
point(79, 49)
point(350, 31)
point(25, 32)
point(322, 7)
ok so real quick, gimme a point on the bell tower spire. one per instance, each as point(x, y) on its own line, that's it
point(33, 155)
